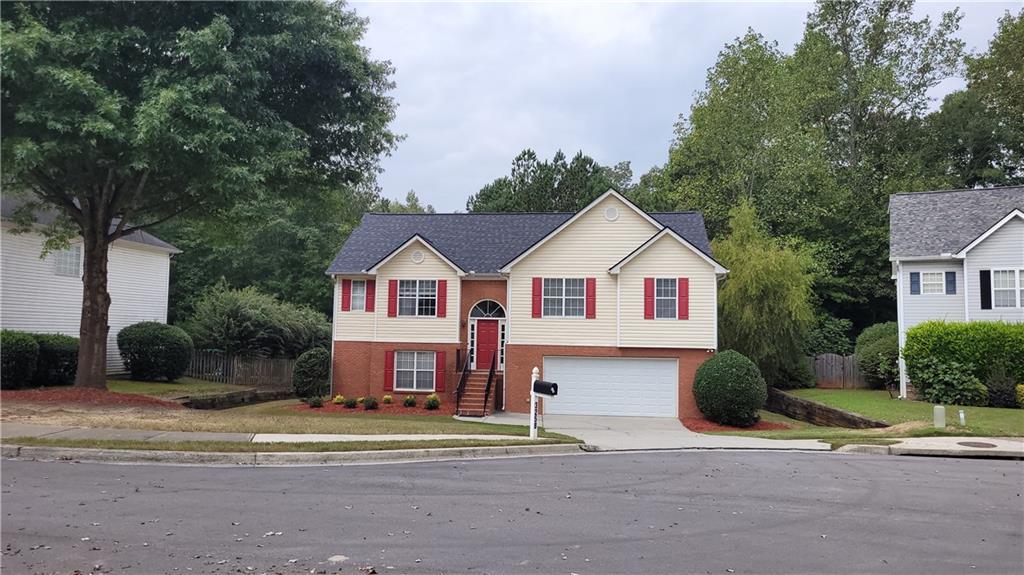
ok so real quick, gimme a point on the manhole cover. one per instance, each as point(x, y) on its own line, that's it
point(976, 444)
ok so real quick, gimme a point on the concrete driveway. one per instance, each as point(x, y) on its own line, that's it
point(608, 433)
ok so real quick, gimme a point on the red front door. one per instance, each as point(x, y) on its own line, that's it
point(486, 342)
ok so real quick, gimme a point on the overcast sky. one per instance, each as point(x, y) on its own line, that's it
point(479, 82)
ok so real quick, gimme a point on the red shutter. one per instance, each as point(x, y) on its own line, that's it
point(389, 370)
point(392, 298)
point(371, 295)
point(442, 298)
point(439, 371)
point(538, 291)
point(684, 298)
point(648, 298)
point(346, 295)
point(591, 298)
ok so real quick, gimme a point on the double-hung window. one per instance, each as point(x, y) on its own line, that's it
point(565, 297)
point(358, 295)
point(933, 283)
point(665, 305)
point(67, 262)
point(414, 371)
point(417, 297)
point(1006, 288)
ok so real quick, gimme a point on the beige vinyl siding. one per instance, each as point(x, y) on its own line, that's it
point(667, 258)
point(356, 325)
point(586, 248)
point(1004, 249)
point(417, 329)
point(926, 307)
point(34, 298)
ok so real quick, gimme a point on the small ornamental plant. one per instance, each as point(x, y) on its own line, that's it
point(387, 400)
point(432, 401)
point(369, 402)
point(409, 401)
point(338, 399)
point(360, 399)
point(350, 402)
point(315, 402)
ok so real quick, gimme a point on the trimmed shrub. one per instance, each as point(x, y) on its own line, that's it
point(873, 333)
point(19, 354)
point(1002, 389)
point(152, 350)
point(978, 345)
point(369, 403)
point(387, 400)
point(351, 402)
point(878, 360)
point(58, 359)
point(338, 399)
point(1020, 395)
point(315, 402)
point(432, 401)
point(409, 401)
point(729, 389)
point(311, 372)
point(949, 382)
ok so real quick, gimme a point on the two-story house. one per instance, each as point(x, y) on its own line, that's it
point(957, 256)
point(617, 306)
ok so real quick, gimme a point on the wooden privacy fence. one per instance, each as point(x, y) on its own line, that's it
point(259, 372)
point(837, 372)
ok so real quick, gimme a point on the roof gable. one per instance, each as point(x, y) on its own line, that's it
point(1015, 214)
point(719, 268)
point(415, 239)
point(941, 224)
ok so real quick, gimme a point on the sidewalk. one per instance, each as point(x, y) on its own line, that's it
point(1001, 447)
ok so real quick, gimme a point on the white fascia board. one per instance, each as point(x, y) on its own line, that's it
point(1014, 214)
point(719, 269)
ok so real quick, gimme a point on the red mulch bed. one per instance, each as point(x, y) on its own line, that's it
point(86, 396)
point(446, 409)
point(700, 424)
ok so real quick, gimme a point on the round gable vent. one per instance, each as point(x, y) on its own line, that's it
point(417, 257)
point(611, 213)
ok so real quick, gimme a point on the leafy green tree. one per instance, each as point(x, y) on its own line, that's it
point(549, 186)
point(412, 205)
point(124, 115)
point(968, 143)
point(764, 302)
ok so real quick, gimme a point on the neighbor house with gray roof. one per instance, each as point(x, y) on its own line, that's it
point(44, 294)
point(617, 305)
point(957, 255)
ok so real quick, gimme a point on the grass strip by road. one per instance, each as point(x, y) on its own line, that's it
point(247, 447)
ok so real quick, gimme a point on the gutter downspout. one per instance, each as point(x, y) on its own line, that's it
point(900, 328)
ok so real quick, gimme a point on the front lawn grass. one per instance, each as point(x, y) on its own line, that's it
point(247, 447)
point(163, 389)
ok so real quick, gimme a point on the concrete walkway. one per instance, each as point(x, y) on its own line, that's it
point(13, 429)
point(606, 433)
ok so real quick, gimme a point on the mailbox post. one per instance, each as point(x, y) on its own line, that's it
point(538, 388)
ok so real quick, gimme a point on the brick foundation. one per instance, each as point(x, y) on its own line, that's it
point(358, 368)
point(521, 359)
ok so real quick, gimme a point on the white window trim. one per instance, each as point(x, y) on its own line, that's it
point(58, 268)
point(941, 283)
point(675, 299)
point(1018, 275)
point(417, 299)
point(352, 296)
point(563, 297)
point(415, 370)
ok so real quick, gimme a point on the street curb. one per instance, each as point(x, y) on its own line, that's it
point(272, 459)
point(929, 452)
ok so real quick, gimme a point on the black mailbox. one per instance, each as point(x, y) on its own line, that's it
point(547, 388)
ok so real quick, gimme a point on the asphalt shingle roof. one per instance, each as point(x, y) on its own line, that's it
point(936, 223)
point(478, 242)
point(9, 204)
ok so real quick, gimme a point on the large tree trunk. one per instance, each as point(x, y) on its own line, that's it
point(92, 346)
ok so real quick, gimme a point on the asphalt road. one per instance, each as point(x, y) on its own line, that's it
point(671, 512)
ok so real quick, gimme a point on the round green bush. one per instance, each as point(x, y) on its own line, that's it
point(432, 402)
point(1020, 395)
point(878, 361)
point(18, 358)
point(729, 389)
point(315, 402)
point(58, 359)
point(369, 402)
point(351, 402)
point(409, 401)
point(311, 372)
point(873, 333)
point(152, 350)
point(948, 382)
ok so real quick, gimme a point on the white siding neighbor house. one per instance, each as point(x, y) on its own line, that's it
point(957, 256)
point(44, 295)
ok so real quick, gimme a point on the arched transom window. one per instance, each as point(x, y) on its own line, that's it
point(487, 308)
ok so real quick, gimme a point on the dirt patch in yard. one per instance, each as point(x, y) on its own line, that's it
point(72, 396)
point(701, 425)
point(446, 409)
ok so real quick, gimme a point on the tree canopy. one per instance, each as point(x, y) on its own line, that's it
point(124, 115)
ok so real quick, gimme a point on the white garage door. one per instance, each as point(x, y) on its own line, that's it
point(612, 386)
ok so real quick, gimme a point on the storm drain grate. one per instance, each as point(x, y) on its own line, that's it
point(976, 444)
